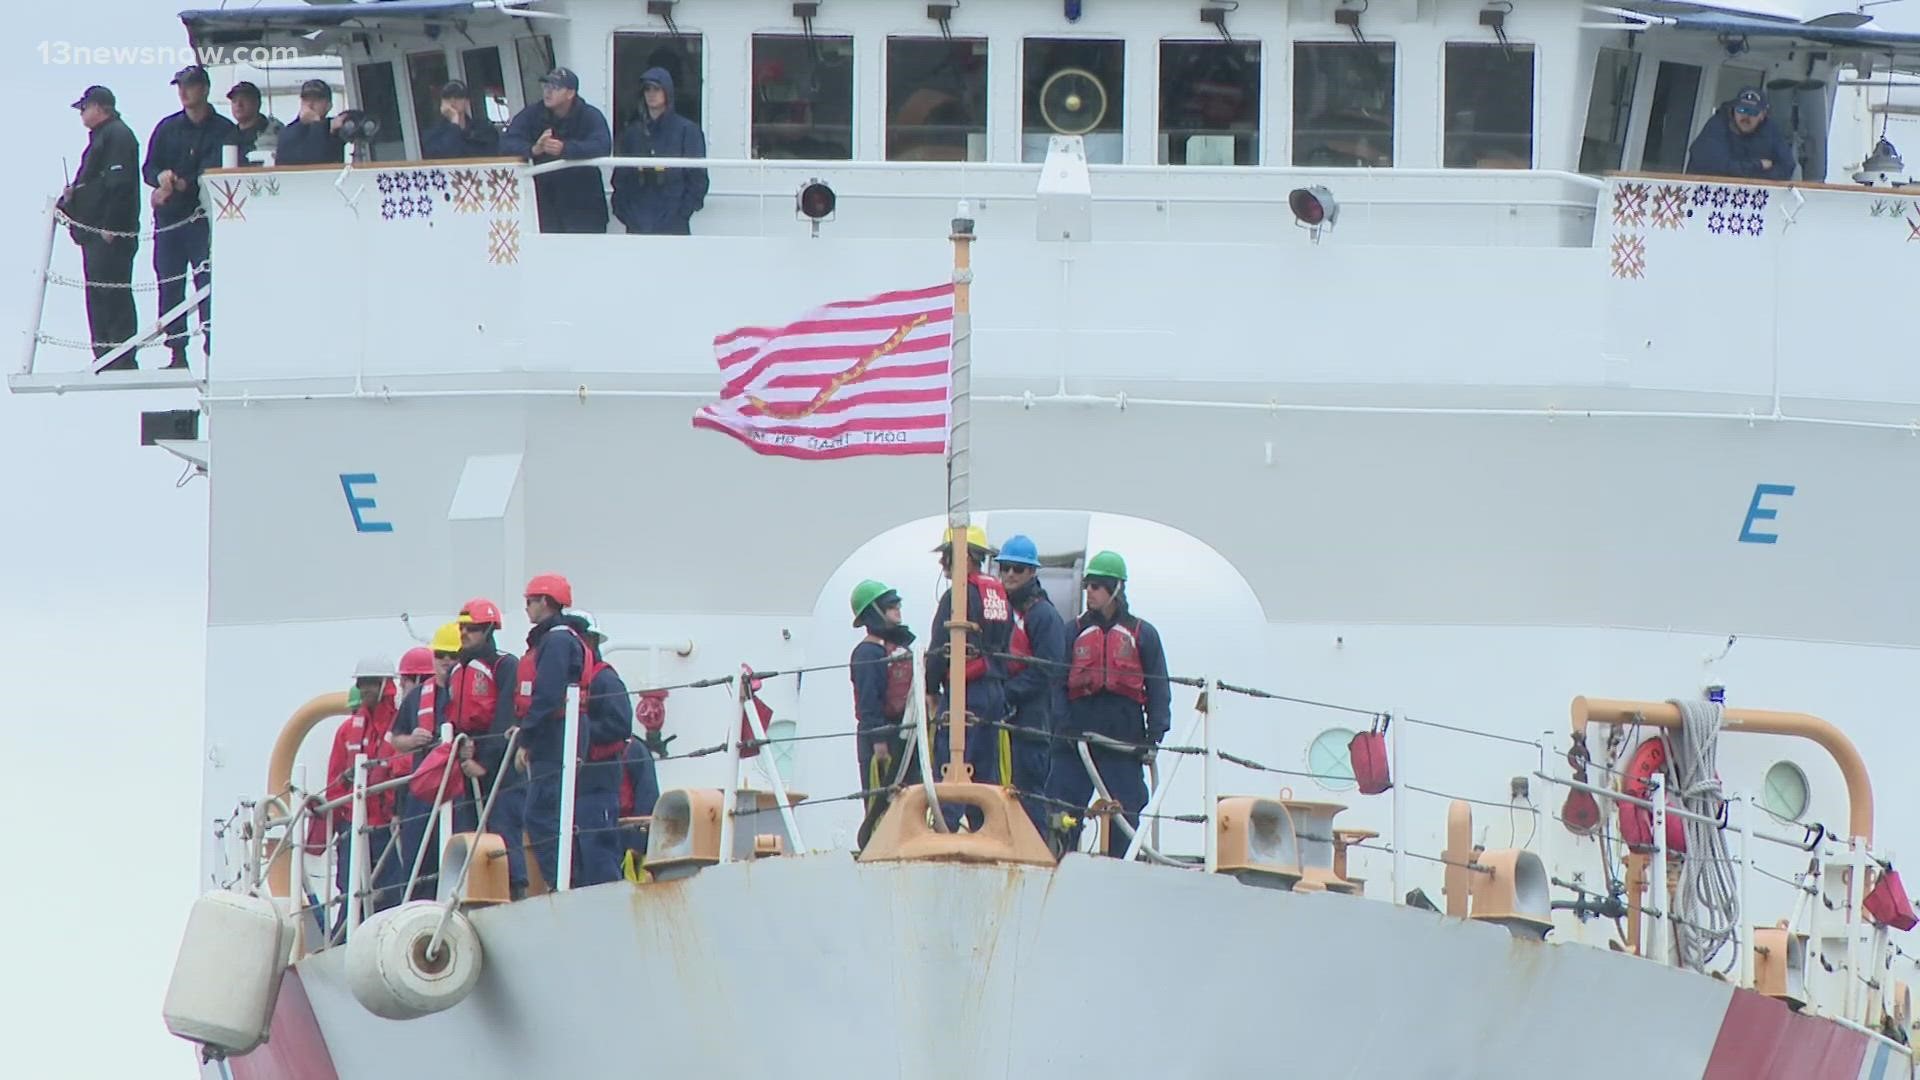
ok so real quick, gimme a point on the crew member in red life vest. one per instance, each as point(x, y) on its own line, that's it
point(881, 687)
point(988, 609)
point(1036, 690)
point(556, 659)
point(606, 728)
point(416, 727)
point(481, 692)
point(1116, 687)
point(365, 732)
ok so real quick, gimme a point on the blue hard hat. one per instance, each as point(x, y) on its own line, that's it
point(1020, 551)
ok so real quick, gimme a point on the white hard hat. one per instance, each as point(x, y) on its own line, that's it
point(374, 667)
point(593, 626)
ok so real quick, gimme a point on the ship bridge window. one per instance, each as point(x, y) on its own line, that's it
point(426, 74)
point(802, 97)
point(535, 54)
point(1209, 103)
point(1603, 144)
point(487, 82)
point(936, 99)
point(636, 54)
point(1676, 90)
point(1489, 102)
point(1343, 103)
point(1073, 87)
point(380, 100)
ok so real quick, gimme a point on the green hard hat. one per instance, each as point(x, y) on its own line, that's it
point(1107, 564)
point(864, 594)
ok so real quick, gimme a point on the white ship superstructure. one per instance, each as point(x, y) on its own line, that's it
point(1533, 417)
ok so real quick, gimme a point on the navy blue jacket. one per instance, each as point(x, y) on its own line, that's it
point(309, 142)
point(1719, 150)
point(1039, 693)
point(106, 189)
point(447, 139)
point(659, 201)
point(187, 149)
point(869, 675)
point(561, 660)
point(638, 763)
point(609, 719)
point(1114, 715)
point(570, 200)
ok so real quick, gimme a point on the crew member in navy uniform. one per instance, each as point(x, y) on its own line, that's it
point(249, 122)
point(989, 610)
point(182, 147)
point(563, 127)
point(606, 726)
point(1741, 140)
point(104, 199)
point(481, 689)
point(313, 138)
point(1116, 687)
point(660, 201)
point(882, 673)
point(1036, 691)
point(459, 134)
point(557, 657)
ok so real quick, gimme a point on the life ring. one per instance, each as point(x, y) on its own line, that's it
point(392, 976)
point(1636, 822)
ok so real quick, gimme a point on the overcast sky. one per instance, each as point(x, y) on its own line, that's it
point(101, 619)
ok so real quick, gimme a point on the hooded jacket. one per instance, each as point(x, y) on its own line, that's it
point(659, 201)
point(1720, 150)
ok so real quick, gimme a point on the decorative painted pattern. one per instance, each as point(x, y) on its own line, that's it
point(1630, 204)
point(1889, 208)
point(1629, 256)
point(411, 193)
point(468, 191)
point(1669, 209)
point(1913, 230)
point(503, 193)
point(232, 198)
point(503, 242)
point(263, 187)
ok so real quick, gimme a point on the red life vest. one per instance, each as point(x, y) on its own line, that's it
point(994, 608)
point(475, 694)
point(1020, 647)
point(530, 668)
point(899, 683)
point(1107, 660)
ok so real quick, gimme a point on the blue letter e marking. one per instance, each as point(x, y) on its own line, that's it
point(1756, 512)
point(357, 503)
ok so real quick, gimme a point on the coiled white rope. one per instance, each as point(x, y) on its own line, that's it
point(1708, 898)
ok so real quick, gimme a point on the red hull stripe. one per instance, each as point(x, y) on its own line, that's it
point(1762, 1039)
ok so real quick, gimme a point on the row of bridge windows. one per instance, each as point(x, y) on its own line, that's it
point(1209, 112)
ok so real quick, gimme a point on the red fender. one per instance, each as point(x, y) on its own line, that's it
point(1636, 822)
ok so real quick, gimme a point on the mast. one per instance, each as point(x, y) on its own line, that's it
point(959, 488)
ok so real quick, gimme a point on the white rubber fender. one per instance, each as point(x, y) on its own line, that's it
point(389, 971)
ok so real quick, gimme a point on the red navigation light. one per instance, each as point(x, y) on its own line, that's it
point(816, 200)
point(1311, 206)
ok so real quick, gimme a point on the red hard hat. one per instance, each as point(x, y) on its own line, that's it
point(416, 661)
point(480, 610)
point(551, 585)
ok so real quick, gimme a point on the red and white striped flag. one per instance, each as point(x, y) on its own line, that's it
point(853, 377)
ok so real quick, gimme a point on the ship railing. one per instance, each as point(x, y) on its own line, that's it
point(772, 187)
point(1810, 888)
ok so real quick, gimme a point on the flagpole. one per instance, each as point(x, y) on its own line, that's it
point(959, 466)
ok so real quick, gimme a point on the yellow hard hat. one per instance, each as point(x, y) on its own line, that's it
point(447, 638)
point(976, 538)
